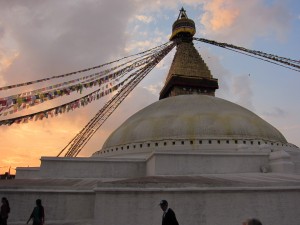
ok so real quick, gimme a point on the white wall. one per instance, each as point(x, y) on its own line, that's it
point(27, 172)
point(138, 204)
point(59, 205)
point(204, 163)
point(197, 206)
point(53, 167)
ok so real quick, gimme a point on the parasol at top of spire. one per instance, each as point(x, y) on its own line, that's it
point(183, 26)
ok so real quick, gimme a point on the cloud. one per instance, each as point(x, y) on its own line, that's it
point(58, 37)
point(219, 14)
point(8, 53)
point(276, 112)
point(155, 5)
point(241, 86)
point(6, 59)
point(154, 88)
point(240, 22)
point(144, 19)
point(139, 46)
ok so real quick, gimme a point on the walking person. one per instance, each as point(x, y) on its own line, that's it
point(5, 210)
point(169, 217)
point(38, 214)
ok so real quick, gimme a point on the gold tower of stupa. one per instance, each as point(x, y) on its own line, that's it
point(188, 73)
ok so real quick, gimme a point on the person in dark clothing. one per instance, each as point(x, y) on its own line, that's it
point(169, 217)
point(38, 214)
point(5, 210)
point(252, 222)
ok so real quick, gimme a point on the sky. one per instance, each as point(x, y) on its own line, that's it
point(40, 39)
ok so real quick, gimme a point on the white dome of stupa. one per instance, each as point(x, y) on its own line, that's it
point(201, 122)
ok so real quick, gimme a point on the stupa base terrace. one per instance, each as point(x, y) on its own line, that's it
point(120, 191)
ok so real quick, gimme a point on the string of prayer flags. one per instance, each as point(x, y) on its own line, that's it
point(79, 71)
point(10, 102)
point(62, 108)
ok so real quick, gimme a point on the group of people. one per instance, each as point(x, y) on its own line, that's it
point(37, 216)
point(169, 217)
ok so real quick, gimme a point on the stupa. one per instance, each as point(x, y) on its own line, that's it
point(214, 161)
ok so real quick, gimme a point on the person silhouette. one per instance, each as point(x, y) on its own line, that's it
point(169, 217)
point(38, 214)
point(252, 221)
point(4, 211)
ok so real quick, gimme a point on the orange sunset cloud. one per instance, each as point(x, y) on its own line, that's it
point(240, 22)
point(24, 143)
point(219, 14)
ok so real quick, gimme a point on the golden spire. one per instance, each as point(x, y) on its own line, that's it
point(188, 73)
